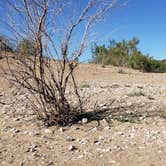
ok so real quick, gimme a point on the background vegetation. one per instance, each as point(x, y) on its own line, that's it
point(126, 53)
point(123, 53)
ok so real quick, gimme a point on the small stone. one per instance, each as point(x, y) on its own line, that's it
point(84, 120)
point(83, 141)
point(61, 129)
point(142, 117)
point(104, 150)
point(160, 151)
point(107, 128)
point(77, 140)
point(50, 163)
point(15, 130)
point(97, 142)
point(110, 116)
point(48, 131)
point(94, 129)
point(33, 133)
point(69, 139)
point(72, 148)
point(117, 147)
point(104, 123)
point(16, 119)
point(33, 147)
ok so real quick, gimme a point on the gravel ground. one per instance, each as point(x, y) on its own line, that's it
point(134, 135)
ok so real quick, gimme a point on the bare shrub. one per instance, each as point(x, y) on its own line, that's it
point(60, 31)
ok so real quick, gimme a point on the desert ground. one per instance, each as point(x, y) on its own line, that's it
point(135, 134)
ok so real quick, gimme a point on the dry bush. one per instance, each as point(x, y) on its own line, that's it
point(60, 36)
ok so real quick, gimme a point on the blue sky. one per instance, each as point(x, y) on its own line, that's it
point(144, 19)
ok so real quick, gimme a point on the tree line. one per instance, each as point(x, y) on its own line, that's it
point(126, 53)
point(25, 46)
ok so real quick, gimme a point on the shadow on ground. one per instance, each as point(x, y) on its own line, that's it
point(133, 113)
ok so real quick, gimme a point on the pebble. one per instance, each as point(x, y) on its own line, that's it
point(97, 142)
point(16, 119)
point(33, 147)
point(14, 130)
point(70, 139)
point(48, 131)
point(71, 148)
point(83, 141)
point(107, 128)
point(50, 163)
point(103, 150)
point(84, 120)
point(61, 129)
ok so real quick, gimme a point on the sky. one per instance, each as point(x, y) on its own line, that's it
point(144, 19)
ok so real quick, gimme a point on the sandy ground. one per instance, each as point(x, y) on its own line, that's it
point(139, 141)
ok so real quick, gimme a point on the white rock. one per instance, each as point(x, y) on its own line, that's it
point(48, 131)
point(110, 116)
point(103, 150)
point(15, 130)
point(84, 120)
point(70, 139)
point(104, 123)
point(83, 141)
point(72, 148)
point(61, 129)
point(97, 142)
point(16, 119)
point(107, 128)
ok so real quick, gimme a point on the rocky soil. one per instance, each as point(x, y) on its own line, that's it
point(133, 135)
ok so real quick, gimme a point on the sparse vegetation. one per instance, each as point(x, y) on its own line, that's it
point(26, 47)
point(137, 94)
point(127, 118)
point(57, 110)
point(40, 31)
point(85, 86)
point(126, 53)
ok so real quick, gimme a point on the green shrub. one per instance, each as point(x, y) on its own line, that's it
point(126, 53)
point(137, 94)
point(127, 118)
point(26, 47)
point(85, 86)
point(147, 64)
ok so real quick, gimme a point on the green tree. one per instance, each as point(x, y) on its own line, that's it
point(26, 47)
point(126, 53)
point(99, 53)
point(132, 45)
